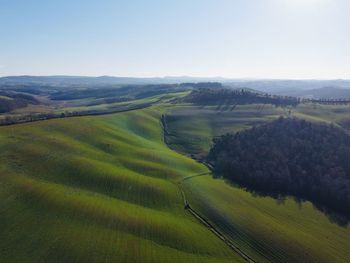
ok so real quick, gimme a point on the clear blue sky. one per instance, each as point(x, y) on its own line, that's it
point(229, 38)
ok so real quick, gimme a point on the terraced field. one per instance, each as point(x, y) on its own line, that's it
point(98, 189)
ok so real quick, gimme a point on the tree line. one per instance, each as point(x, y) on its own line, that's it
point(211, 96)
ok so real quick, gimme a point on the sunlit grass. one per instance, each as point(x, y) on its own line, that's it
point(267, 230)
point(98, 189)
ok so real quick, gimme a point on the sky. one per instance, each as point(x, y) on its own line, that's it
point(294, 39)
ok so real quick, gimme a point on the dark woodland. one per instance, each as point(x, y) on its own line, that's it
point(211, 96)
point(290, 157)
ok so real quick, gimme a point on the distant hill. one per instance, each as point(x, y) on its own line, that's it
point(286, 87)
point(102, 80)
point(219, 96)
point(10, 101)
point(265, 85)
point(317, 89)
point(321, 93)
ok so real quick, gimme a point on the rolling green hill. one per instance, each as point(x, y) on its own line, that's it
point(98, 189)
point(267, 229)
point(191, 128)
point(106, 189)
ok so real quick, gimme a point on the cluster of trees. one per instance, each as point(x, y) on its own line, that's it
point(343, 101)
point(9, 120)
point(290, 157)
point(10, 101)
point(210, 96)
point(203, 85)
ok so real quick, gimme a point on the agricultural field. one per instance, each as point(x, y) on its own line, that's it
point(35, 103)
point(175, 131)
point(98, 189)
point(109, 189)
point(191, 127)
point(269, 230)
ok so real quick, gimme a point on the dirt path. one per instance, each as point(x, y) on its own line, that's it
point(207, 224)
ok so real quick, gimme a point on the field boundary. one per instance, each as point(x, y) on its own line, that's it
point(193, 212)
point(76, 114)
point(209, 225)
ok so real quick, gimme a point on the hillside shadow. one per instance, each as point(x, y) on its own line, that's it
point(333, 216)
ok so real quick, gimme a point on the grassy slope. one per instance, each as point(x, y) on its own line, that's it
point(337, 114)
point(98, 189)
point(83, 107)
point(267, 231)
point(192, 127)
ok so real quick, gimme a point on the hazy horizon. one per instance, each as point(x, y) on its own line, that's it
point(179, 77)
point(240, 39)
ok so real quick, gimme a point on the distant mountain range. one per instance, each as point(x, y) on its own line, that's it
point(102, 80)
point(259, 84)
point(300, 88)
point(285, 86)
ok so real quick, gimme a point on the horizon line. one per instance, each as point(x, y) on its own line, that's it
point(176, 77)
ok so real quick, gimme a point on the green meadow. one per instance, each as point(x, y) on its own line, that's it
point(106, 189)
point(192, 128)
point(98, 189)
point(266, 229)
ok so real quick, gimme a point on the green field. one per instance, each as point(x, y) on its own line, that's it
point(105, 189)
point(267, 230)
point(192, 128)
point(98, 189)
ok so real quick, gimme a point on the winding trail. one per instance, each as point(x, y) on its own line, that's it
point(209, 225)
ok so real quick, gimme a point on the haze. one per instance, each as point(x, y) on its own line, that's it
point(228, 38)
